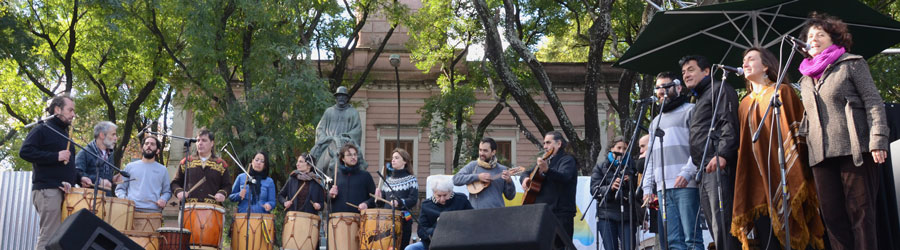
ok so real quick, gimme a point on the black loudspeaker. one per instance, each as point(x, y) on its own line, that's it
point(515, 228)
point(84, 230)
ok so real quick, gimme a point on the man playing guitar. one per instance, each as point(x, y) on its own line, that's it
point(486, 178)
point(559, 174)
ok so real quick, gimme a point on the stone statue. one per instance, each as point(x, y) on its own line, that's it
point(339, 125)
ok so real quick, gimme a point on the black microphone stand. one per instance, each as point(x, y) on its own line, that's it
point(247, 182)
point(96, 180)
point(712, 128)
point(624, 164)
point(187, 149)
point(775, 106)
point(663, 234)
point(393, 209)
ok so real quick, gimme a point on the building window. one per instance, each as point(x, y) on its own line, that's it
point(504, 153)
point(390, 145)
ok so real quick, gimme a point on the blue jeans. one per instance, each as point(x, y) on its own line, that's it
point(417, 246)
point(612, 236)
point(683, 224)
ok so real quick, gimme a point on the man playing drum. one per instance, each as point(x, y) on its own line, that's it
point(208, 183)
point(148, 186)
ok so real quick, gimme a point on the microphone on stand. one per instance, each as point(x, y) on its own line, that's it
point(674, 83)
point(737, 71)
point(650, 99)
point(800, 45)
point(42, 120)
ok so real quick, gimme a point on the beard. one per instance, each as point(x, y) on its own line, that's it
point(149, 154)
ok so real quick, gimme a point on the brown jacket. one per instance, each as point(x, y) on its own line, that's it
point(845, 114)
point(213, 172)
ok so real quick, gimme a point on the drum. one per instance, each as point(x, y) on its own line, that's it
point(119, 213)
point(170, 237)
point(147, 222)
point(343, 231)
point(261, 234)
point(147, 240)
point(301, 231)
point(378, 229)
point(206, 222)
point(81, 198)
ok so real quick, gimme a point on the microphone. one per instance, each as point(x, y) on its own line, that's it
point(42, 120)
point(737, 71)
point(223, 147)
point(650, 99)
point(800, 45)
point(674, 83)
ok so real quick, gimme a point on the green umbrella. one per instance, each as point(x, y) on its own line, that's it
point(722, 32)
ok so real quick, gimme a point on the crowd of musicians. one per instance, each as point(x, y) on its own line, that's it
point(699, 156)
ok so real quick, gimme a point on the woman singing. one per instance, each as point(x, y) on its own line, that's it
point(757, 197)
point(848, 133)
point(309, 199)
point(403, 192)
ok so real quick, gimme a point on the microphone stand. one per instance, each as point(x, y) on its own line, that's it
point(662, 200)
point(247, 182)
point(624, 164)
point(187, 149)
point(775, 106)
point(97, 176)
point(393, 209)
point(712, 127)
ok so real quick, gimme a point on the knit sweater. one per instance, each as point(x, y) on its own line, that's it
point(405, 188)
point(677, 150)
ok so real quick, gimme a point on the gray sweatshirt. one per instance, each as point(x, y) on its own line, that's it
point(149, 182)
point(490, 197)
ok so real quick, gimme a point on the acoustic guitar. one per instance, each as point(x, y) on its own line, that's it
point(477, 186)
point(535, 182)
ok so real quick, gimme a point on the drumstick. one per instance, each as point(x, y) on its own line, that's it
point(211, 196)
point(351, 204)
point(380, 199)
point(298, 192)
point(196, 186)
point(69, 144)
point(101, 188)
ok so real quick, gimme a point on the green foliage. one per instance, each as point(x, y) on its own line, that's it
point(885, 72)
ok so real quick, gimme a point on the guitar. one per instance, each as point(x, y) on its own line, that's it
point(534, 186)
point(477, 186)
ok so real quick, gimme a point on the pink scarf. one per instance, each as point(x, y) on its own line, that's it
point(814, 67)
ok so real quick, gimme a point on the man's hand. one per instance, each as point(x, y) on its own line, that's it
point(267, 207)
point(616, 183)
point(317, 206)
point(525, 182)
point(363, 206)
point(65, 187)
point(505, 176)
point(220, 197)
point(680, 182)
point(542, 165)
point(63, 155)
point(117, 178)
point(288, 204)
point(484, 177)
point(879, 155)
point(712, 164)
point(180, 195)
point(378, 193)
point(86, 182)
point(161, 203)
point(104, 183)
point(333, 192)
point(648, 198)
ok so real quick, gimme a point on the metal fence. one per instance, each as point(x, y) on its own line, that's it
point(19, 222)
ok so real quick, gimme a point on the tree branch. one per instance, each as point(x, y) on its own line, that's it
point(13, 113)
point(362, 78)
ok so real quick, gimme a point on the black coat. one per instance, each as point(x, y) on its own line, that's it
point(560, 180)
point(316, 194)
point(41, 147)
point(431, 211)
point(600, 187)
point(353, 187)
point(725, 136)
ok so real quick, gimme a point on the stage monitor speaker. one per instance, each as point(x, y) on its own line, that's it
point(515, 228)
point(84, 230)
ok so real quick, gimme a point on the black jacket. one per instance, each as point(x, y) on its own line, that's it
point(353, 187)
point(560, 180)
point(88, 165)
point(726, 125)
point(316, 194)
point(600, 187)
point(431, 211)
point(41, 147)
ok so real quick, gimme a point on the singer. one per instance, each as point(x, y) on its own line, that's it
point(402, 190)
point(717, 153)
point(486, 169)
point(310, 198)
point(757, 197)
point(259, 196)
point(848, 132)
point(204, 165)
point(611, 220)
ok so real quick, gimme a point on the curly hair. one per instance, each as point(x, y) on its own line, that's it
point(835, 28)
